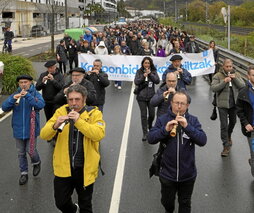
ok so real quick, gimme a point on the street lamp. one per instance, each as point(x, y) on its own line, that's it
point(175, 12)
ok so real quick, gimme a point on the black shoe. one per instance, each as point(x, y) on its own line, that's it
point(144, 138)
point(36, 169)
point(23, 179)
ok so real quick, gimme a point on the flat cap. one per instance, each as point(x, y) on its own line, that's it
point(176, 57)
point(78, 69)
point(50, 63)
point(27, 77)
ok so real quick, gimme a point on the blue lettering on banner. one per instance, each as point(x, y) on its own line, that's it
point(132, 69)
point(205, 53)
point(86, 66)
point(188, 65)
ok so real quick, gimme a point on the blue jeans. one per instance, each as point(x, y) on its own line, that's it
point(23, 148)
point(119, 83)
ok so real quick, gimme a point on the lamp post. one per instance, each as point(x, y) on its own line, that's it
point(175, 12)
point(66, 15)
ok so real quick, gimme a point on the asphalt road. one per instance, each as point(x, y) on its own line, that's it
point(223, 184)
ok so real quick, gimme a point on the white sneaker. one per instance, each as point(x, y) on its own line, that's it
point(77, 208)
point(116, 85)
point(119, 87)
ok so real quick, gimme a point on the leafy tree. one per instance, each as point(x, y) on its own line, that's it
point(196, 11)
point(121, 9)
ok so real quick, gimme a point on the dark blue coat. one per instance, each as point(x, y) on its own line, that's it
point(21, 113)
point(158, 101)
point(178, 159)
point(185, 77)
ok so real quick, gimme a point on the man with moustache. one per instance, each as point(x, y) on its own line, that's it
point(76, 154)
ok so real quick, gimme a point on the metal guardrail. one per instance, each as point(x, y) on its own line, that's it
point(223, 28)
point(241, 62)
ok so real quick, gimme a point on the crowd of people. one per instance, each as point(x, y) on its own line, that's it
point(74, 112)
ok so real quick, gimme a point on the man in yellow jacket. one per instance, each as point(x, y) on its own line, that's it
point(76, 156)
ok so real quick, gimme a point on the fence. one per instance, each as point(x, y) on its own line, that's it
point(241, 62)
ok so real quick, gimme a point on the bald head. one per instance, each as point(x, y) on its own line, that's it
point(171, 80)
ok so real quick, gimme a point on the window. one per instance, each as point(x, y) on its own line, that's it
point(8, 15)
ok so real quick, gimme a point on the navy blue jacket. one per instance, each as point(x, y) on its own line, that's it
point(185, 77)
point(178, 159)
point(21, 113)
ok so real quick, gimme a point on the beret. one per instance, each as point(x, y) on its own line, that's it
point(176, 57)
point(50, 63)
point(27, 77)
point(78, 69)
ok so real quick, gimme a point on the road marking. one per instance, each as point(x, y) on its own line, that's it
point(6, 116)
point(116, 195)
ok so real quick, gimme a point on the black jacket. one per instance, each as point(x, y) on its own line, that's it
point(50, 90)
point(159, 101)
point(60, 98)
point(244, 109)
point(148, 87)
point(99, 81)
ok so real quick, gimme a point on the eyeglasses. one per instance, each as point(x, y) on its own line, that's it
point(179, 103)
point(173, 81)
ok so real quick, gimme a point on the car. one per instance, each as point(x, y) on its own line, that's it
point(38, 30)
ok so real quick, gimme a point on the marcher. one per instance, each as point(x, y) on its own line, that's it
point(226, 84)
point(245, 112)
point(101, 49)
point(117, 51)
point(50, 82)
point(61, 56)
point(162, 98)
point(177, 168)
point(76, 154)
point(192, 45)
point(183, 76)
point(145, 79)
point(72, 49)
point(216, 58)
point(77, 77)
point(100, 82)
point(8, 36)
point(26, 104)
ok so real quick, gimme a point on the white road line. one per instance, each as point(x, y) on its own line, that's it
point(116, 195)
point(6, 116)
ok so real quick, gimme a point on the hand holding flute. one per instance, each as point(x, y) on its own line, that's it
point(19, 96)
point(166, 94)
point(173, 124)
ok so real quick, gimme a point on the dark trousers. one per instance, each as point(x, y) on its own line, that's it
point(184, 191)
point(227, 123)
point(49, 110)
point(73, 59)
point(62, 67)
point(63, 190)
point(146, 121)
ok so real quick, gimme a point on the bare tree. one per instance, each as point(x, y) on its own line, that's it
point(52, 9)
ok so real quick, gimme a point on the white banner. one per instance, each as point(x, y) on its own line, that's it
point(123, 68)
